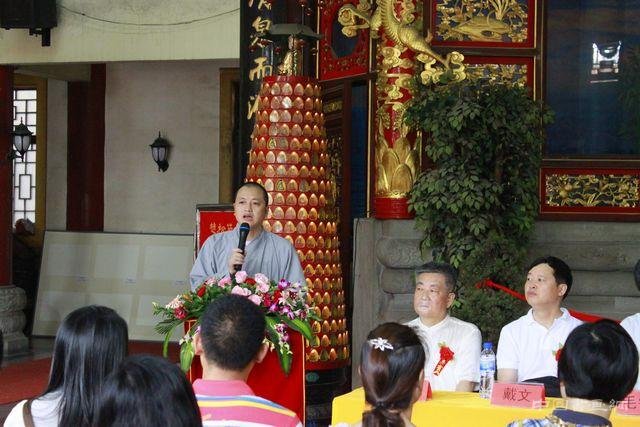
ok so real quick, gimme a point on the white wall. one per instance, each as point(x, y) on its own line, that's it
point(127, 30)
point(56, 155)
point(180, 99)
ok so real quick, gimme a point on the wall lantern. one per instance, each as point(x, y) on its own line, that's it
point(21, 140)
point(160, 152)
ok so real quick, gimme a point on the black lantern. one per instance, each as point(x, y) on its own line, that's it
point(160, 151)
point(21, 139)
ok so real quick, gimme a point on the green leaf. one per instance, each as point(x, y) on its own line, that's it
point(167, 338)
point(186, 355)
point(300, 326)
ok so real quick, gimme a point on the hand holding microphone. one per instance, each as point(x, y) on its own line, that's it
point(237, 256)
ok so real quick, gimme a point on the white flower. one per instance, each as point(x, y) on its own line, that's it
point(381, 344)
point(174, 303)
point(261, 278)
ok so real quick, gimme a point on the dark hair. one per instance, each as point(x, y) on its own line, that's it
point(561, 271)
point(147, 391)
point(447, 270)
point(90, 343)
point(599, 361)
point(252, 184)
point(232, 329)
point(389, 376)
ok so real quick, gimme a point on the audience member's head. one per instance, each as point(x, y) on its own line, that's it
point(147, 391)
point(392, 362)
point(232, 330)
point(599, 361)
point(434, 292)
point(548, 282)
point(90, 343)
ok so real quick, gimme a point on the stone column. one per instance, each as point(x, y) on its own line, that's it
point(12, 299)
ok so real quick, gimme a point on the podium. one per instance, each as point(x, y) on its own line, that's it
point(266, 379)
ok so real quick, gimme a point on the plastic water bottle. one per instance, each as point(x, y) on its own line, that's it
point(487, 370)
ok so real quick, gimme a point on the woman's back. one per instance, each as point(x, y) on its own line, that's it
point(90, 343)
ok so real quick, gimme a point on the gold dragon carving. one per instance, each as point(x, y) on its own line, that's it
point(403, 31)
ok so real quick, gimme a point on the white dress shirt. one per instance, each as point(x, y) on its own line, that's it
point(530, 348)
point(632, 325)
point(463, 338)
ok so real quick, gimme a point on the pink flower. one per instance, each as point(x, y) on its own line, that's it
point(254, 299)
point(241, 276)
point(283, 284)
point(237, 290)
point(224, 281)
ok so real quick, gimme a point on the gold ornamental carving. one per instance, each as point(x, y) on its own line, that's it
point(482, 20)
point(498, 73)
point(397, 26)
point(591, 190)
point(397, 20)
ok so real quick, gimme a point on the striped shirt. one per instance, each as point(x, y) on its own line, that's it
point(233, 403)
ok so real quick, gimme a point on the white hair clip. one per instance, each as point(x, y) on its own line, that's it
point(381, 344)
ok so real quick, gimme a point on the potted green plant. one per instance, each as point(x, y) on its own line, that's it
point(477, 204)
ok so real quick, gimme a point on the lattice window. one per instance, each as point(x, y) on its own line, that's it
point(24, 170)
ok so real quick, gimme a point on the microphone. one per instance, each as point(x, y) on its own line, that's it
point(244, 232)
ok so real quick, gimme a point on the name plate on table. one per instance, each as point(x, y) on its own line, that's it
point(630, 405)
point(521, 395)
point(426, 393)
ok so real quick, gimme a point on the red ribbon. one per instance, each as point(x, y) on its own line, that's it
point(488, 283)
point(446, 355)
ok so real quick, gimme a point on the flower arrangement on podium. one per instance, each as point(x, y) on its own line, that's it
point(283, 303)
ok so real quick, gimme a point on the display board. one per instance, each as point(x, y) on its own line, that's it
point(127, 272)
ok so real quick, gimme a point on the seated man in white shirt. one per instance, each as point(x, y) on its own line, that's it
point(529, 347)
point(434, 294)
point(632, 325)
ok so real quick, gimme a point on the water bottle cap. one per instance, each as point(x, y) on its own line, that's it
point(487, 345)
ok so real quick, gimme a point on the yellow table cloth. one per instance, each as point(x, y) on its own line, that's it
point(450, 409)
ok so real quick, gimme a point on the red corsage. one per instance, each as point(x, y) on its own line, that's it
point(446, 355)
point(558, 353)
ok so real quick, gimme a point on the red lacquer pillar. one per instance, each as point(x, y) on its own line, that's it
point(12, 299)
point(396, 156)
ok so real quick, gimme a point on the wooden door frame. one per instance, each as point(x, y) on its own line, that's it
point(229, 82)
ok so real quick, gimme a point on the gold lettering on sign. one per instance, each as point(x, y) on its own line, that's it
point(252, 107)
point(264, 4)
point(261, 25)
point(261, 69)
